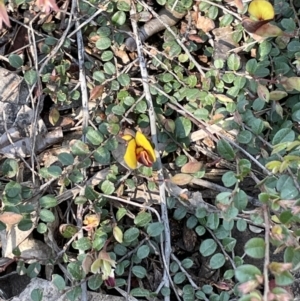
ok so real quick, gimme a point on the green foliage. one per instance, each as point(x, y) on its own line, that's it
point(251, 96)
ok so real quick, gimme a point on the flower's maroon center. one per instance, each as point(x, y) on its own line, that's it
point(143, 157)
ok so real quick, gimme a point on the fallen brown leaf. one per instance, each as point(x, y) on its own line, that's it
point(205, 24)
point(181, 179)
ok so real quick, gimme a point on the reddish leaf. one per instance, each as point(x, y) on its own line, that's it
point(10, 218)
point(97, 92)
point(181, 179)
point(191, 167)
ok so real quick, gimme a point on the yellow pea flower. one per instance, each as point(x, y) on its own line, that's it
point(91, 221)
point(261, 10)
point(139, 149)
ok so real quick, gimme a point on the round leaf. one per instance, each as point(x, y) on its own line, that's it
point(131, 234)
point(247, 272)
point(48, 201)
point(155, 229)
point(208, 247)
point(139, 271)
point(10, 168)
point(217, 261)
point(119, 18)
point(107, 187)
point(58, 281)
point(15, 61)
point(103, 43)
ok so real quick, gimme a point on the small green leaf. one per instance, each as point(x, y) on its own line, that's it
point(12, 189)
point(120, 250)
point(139, 292)
point(109, 68)
point(191, 222)
point(142, 219)
point(79, 148)
point(283, 135)
point(48, 201)
point(119, 18)
point(225, 150)
point(179, 213)
point(229, 243)
point(33, 269)
point(233, 62)
point(285, 278)
point(217, 261)
point(228, 274)
point(251, 66)
point(124, 79)
point(36, 294)
point(244, 167)
point(277, 95)
point(54, 171)
point(244, 137)
point(15, 61)
point(74, 268)
point(107, 187)
point(187, 263)
point(102, 156)
point(179, 278)
point(141, 107)
point(47, 216)
point(95, 282)
point(41, 228)
point(90, 193)
point(83, 244)
point(118, 110)
point(94, 136)
point(208, 247)
point(246, 272)
point(240, 200)
point(264, 48)
point(121, 213)
point(30, 77)
point(131, 234)
point(201, 212)
point(183, 127)
point(229, 179)
point(143, 252)
point(66, 159)
point(139, 271)
point(155, 229)
point(257, 126)
point(99, 76)
point(10, 168)
point(58, 281)
point(200, 230)
point(103, 43)
point(74, 293)
point(213, 221)
point(25, 224)
point(107, 55)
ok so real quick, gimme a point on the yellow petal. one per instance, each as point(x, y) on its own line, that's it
point(130, 156)
point(143, 142)
point(127, 137)
point(261, 10)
